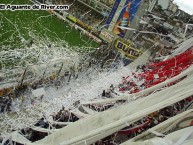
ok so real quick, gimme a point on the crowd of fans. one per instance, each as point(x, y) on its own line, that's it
point(64, 115)
point(137, 82)
point(142, 78)
point(108, 3)
point(156, 117)
point(100, 108)
point(33, 135)
point(131, 131)
point(158, 52)
point(151, 74)
point(147, 122)
point(5, 104)
point(9, 103)
point(83, 13)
